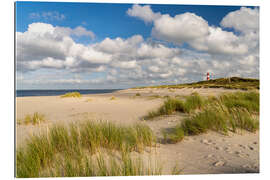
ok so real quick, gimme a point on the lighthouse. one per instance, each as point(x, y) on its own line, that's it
point(207, 76)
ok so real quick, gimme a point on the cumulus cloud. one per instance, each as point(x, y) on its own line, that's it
point(44, 45)
point(243, 20)
point(143, 12)
point(194, 30)
point(220, 42)
point(119, 45)
point(78, 31)
point(50, 15)
point(181, 28)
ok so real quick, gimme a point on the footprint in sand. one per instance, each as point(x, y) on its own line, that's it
point(219, 163)
point(242, 146)
point(238, 153)
point(246, 166)
point(255, 142)
point(209, 156)
point(251, 148)
point(218, 148)
point(206, 142)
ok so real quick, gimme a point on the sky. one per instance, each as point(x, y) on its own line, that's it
point(112, 46)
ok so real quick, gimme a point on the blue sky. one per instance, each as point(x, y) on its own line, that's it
point(92, 45)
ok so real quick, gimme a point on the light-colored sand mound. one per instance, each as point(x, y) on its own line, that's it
point(207, 153)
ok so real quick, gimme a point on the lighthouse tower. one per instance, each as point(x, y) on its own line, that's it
point(207, 76)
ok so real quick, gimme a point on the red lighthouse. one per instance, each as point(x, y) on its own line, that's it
point(207, 76)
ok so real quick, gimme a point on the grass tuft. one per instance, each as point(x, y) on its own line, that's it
point(71, 94)
point(34, 119)
point(172, 105)
point(113, 98)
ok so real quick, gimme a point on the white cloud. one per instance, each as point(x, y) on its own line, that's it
point(194, 30)
point(181, 28)
point(50, 15)
point(220, 42)
point(44, 45)
point(243, 20)
point(125, 64)
point(143, 12)
point(119, 45)
point(158, 50)
point(153, 69)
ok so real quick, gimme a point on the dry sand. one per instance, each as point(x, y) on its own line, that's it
point(207, 153)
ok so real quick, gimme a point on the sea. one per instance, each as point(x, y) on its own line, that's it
point(24, 93)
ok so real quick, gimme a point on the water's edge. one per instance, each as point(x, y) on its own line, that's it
point(25, 93)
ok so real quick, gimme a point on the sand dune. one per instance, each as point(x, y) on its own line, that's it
point(207, 153)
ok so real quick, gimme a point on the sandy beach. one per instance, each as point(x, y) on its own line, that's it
point(206, 153)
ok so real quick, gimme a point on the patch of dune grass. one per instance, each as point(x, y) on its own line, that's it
point(73, 143)
point(34, 119)
point(154, 97)
point(102, 164)
point(172, 105)
point(71, 94)
point(89, 100)
point(216, 117)
point(137, 94)
point(113, 98)
point(247, 100)
point(192, 102)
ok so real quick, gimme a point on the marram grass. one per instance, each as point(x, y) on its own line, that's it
point(223, 114)
point(34, 119)
point(70, 150)
point(71, 94)
point(171, 105)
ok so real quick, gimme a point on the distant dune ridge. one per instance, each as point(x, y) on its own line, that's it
point(228, 83)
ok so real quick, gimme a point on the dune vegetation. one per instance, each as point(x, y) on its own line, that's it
point(172, 105)
point(71, 94)
point(228, 83)
point(34, 119)
point(228, 112)
point(87, 149)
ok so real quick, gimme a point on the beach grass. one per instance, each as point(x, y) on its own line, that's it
point(76, 143)
point(34, 119)
point(229, 112)
point(171, 105)
point(113, 98)
point(89, 100)
point(71, 94)
point(103, 164)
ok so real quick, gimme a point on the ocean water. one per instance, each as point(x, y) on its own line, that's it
point(23, 93)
